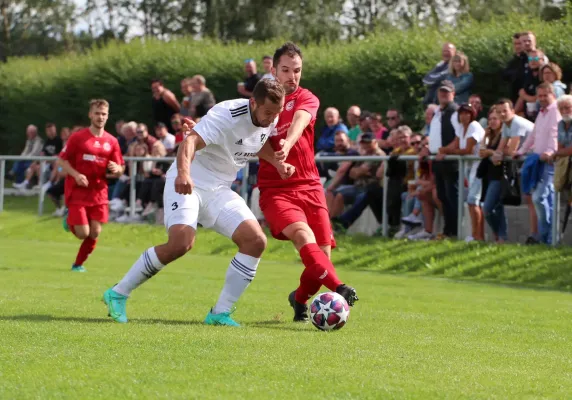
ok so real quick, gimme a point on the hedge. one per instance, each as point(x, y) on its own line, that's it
point(381, 71)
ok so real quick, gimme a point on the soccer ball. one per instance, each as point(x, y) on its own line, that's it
point(329, 311)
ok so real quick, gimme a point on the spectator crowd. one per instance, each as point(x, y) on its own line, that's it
point(532, 123)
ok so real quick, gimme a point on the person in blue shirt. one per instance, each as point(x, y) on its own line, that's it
point(328, 134)
point(462, 78)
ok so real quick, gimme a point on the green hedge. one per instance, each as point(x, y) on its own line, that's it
point(378, 72)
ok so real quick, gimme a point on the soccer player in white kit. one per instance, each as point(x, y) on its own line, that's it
point(220, 145)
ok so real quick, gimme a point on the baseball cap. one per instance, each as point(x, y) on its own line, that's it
point(367, 137)
point(447, 86)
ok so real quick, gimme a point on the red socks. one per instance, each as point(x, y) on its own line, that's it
point(85, 250)
point(319, 271)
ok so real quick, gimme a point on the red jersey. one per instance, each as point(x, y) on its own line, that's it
point(301, 155)
point(89, 155)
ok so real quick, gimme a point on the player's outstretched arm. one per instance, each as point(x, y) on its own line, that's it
point(267, 154)
point(300, 121)
point(190, 145)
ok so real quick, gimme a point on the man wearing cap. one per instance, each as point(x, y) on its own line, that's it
point(245, 88)
point(442, 134)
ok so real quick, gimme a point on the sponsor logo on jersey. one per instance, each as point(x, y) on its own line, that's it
point(290, 105)
point(262, 137)
point(106, 146)
point(239, 142)
point(241, 154)
point(96, 144)
point(89, 157)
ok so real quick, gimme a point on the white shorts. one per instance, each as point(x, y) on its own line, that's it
point(220, 209)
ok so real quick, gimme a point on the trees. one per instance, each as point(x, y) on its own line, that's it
point(46, 27)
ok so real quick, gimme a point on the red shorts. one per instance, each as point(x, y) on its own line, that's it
point(82, 215)
point(283, 208)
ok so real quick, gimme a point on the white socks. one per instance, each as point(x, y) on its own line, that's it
point(144, 268)
point(240, 273)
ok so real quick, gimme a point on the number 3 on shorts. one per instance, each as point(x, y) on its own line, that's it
point(174, 206)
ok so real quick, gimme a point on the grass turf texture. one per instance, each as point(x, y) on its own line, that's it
point(408, 337)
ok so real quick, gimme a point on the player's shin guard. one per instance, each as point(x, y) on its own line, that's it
point(144, 268)
point(319, 266)
point(86, 248)
point(240, 273)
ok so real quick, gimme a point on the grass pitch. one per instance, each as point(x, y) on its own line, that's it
point(409, 336)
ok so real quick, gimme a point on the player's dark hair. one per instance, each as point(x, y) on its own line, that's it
point(50, 124)
point(156, 80)
point(289, 49)
point(267, 57)
point(516, 35)
point(268, 89)
point(504, 100)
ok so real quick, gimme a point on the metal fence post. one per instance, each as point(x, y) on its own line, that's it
point(556, 219)
point(244, 185)
point(132, 184)
point(41, 184)
point(2, 183)
point(461, 198)
point(384, 223)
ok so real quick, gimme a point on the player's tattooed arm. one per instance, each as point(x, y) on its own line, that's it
point(80, 179)
point(300, 121)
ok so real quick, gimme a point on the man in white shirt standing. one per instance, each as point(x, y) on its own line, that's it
point(165, 137)
point(219, 146)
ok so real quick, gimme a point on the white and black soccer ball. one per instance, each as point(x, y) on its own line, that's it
point(329, 311)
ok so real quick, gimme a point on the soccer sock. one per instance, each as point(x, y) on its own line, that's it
point(85, 250)
point(319, 266)
point(144, 268)
point(239, 274)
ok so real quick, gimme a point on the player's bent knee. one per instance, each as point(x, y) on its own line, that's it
point(300, 234)
point(181, 241)
point(250, 239)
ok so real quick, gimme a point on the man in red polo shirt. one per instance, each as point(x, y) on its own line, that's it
point(89, 155)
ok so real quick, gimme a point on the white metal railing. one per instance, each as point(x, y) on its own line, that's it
point(319, 158)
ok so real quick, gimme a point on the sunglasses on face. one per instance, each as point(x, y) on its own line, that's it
point(139, 132)
point(415, 143)
point(536, 58)
point(391, 118)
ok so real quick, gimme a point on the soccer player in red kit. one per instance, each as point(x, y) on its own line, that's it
point(90, 155)
point(295, 209)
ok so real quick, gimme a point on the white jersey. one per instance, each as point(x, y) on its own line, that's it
point(231, 141)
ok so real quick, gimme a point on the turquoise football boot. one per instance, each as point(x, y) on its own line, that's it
point(78, 268)
point(115, 305)
point(222, 319)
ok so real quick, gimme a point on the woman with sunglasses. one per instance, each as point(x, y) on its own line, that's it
point(469, 136)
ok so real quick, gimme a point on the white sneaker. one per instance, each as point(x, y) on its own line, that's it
point(123, 219)
point(138, 207)
point(21, 185)
point(59, 212)
point(412, 219)
point(117, 205)
point(423, 235)
point(469, 239)
point(150, 209)
point(402, 232)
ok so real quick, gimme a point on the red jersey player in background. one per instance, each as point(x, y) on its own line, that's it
point(295, 209)
point(89, 155)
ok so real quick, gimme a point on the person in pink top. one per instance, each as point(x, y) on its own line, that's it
point(543, 141)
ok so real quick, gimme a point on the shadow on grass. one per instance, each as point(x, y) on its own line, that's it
point(52, 318)
point(280, 325)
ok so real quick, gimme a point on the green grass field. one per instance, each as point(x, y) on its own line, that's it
point(412, 334)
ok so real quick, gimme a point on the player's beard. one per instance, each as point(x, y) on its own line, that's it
point(290, 87)
point(98, 125)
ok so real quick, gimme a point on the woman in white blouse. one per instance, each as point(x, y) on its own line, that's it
point(469, 135)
